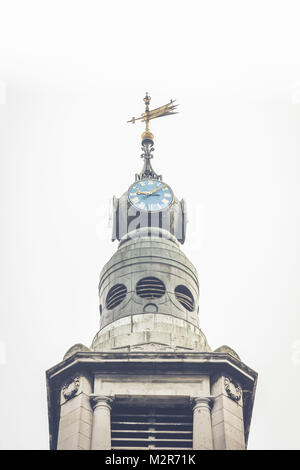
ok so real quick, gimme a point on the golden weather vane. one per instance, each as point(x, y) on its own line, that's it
point(164, 110)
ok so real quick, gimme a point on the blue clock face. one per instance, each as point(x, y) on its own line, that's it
point(150, 195)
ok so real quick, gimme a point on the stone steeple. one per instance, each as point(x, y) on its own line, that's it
point(149, 379)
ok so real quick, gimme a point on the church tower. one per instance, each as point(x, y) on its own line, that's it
point(149, 380)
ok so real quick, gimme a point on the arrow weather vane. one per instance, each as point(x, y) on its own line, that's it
point(147, 136)
point(164, 110)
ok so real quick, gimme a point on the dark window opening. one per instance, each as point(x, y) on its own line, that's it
point(185, 297)
point(152, 427)
point(150, 288)
point(115, 296)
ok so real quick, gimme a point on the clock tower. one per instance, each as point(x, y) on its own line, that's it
point(149, 380)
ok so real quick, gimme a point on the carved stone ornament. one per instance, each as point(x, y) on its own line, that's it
point(233, 389)
point(70, 387)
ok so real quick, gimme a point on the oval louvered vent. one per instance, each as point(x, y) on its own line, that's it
point(150, 288)
point(115, 296)
point(185, 297)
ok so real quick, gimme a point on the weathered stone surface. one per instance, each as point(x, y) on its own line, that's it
point(79, 426)
point(227, 349)
point(224, 415)
point(76, 348)
point(227, 418)
point(225, 402)
point(149, 385)
point(101, 431)
point(152, 377)
point(75, 442)
point(138, 330)
point(219, 442)
point(143, 257)
point(202, 428)
point(75, 414)
point(74, 385)
point(81, 400)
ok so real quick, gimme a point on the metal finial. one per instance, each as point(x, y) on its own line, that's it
point(147, 136)
point(147, 100)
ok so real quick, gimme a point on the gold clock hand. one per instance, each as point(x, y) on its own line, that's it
point(154, 191)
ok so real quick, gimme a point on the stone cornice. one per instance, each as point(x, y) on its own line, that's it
point(145, 363)
point(98, 360)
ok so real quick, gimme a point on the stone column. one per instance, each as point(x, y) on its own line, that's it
point(202, 431)
point(101, 431)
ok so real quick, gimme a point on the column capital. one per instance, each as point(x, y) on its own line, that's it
point(101, 400)
point(202, 402)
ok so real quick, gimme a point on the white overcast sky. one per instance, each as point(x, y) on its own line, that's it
point(71, 74)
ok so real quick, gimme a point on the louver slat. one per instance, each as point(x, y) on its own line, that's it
point(152, 429)
point(185, 297)
point(150, 288)
point(115, 296)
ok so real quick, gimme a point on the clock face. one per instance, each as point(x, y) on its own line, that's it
point(150, 195)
